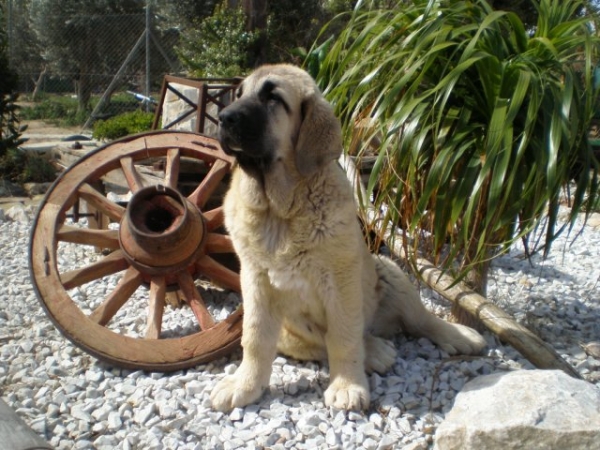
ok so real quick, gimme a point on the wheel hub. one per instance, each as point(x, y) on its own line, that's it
point(161, 231)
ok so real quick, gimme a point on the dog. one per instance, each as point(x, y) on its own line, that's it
point(311, 289)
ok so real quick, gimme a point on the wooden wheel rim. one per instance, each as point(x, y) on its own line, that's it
point(125, 351)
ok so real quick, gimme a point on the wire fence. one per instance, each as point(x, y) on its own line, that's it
point(99, 63)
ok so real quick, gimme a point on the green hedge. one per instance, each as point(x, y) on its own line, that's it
point(123, 125)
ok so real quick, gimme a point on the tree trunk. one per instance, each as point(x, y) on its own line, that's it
point(38, 85)
point(256, 14)
point(86, 67)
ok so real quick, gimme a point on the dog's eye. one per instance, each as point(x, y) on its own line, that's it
point(274, 97)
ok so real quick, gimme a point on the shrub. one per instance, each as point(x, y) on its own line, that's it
point(21, 167)
point(10, 131)
point(123, 125)
point(59, 109)
point(482, 121)
point(218, 46)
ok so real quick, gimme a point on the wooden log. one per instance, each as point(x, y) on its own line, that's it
point(538, 352)
point(15, 434)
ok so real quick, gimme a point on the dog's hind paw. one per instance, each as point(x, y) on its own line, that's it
point(234, 391)
point(460, 339)
point(380, 354)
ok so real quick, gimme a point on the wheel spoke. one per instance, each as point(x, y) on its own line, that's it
point(86, 236)
point(219, 243)
point(210, 182)
point(100, 202)
point(134, 180)
point(113, 263)
point(131, 280)
point(156, 307)
point(218, 273)
point(214, 218)
point(172, 168)
point(191, 294)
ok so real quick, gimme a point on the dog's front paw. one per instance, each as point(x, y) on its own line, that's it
point(345, 394)
point(234, 391)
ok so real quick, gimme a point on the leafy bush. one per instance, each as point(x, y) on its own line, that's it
point(21, 167)
point(10, 131)
point(218, 46)
point(123, 125)
point(61, 109)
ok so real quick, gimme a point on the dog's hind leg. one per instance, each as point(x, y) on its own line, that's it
point(400, 306)
point(300, 345)
point(380, 354)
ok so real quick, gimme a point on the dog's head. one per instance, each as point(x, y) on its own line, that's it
point(280, 114)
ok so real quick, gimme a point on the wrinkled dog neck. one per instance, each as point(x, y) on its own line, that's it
point(274, 190)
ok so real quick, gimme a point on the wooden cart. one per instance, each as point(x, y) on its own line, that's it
point(150, 249)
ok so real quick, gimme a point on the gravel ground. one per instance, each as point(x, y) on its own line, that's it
point(76, 402)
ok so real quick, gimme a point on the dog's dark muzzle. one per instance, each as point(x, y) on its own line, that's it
point(242, 128)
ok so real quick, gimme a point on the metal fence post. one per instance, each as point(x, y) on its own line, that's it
point(148, 34)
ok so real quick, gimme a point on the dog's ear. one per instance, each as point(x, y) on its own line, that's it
point(320, 136)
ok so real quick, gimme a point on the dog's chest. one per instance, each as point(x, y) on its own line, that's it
point(286, 253)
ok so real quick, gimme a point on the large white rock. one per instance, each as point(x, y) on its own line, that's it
point(526, 409)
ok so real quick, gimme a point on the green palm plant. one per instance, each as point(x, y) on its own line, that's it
point(480, 122)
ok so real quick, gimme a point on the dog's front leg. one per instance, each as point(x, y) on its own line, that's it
point(348, 388)
point(260, 331)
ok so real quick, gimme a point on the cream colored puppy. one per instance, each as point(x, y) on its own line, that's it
point(310, 287)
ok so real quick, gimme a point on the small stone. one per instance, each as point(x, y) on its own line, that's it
point(106, 442)
point(27, 345)
point(194, 387)
point(369, 444)
point(78, 412)
point(386, 443)
point(355, 416)
point(376, 419)
point(94, 376)
point(102, 412)
point(331, 437)
point(114, 421)
point(142, 415)
point(39, 425)
point(592, 349)
point(236, 414)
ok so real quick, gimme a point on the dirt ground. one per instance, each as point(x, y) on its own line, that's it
point(40, 131)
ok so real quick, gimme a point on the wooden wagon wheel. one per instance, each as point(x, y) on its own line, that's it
point(160, 241)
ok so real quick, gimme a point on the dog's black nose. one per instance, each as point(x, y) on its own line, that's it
point(229, 117)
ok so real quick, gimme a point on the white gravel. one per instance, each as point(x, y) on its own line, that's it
point(76, 402)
